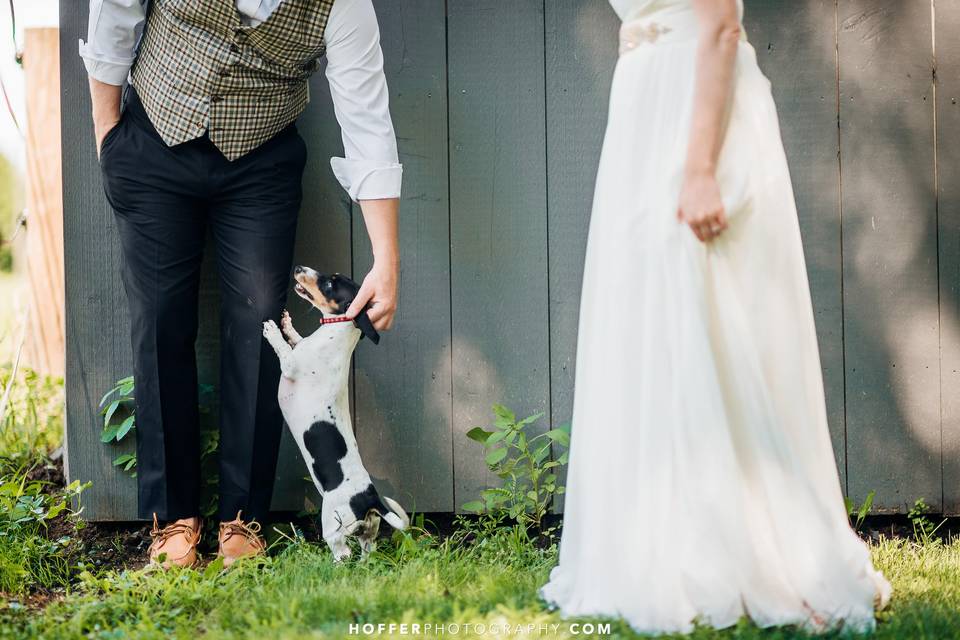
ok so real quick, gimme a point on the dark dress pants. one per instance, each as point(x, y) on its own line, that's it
point(165, 200)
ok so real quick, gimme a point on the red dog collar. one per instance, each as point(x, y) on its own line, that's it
point(335, 319)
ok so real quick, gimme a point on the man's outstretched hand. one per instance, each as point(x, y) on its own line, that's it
point(379, 288)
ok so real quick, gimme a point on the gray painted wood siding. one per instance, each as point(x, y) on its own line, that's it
point(500, 110)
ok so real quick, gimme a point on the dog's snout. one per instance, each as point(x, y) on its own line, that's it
point(297, 270)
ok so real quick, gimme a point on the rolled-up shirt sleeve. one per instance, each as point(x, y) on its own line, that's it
point(371, 168)
point(112, 38)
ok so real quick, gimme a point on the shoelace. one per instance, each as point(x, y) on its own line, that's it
point(160, 536)
point(249, 530)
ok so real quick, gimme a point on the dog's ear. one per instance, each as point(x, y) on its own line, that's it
point(366, 327)
point(371, 524)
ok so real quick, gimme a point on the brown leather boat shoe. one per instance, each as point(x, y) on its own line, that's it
point(175, 545)
point(239, 539)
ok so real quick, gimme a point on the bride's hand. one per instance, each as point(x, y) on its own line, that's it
point(701, 207)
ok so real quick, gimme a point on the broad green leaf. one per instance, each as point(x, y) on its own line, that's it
point(541, 453)
point(109, 410)
point(559, 435)
point(495, 497)
point(496, 456)
point(478, 434)
point(496, 437)
point(121, 460)
point(103, 400)
point(502, 412)
point(475, 506)
point(109, 433)
point(55, 510)
point(531, 419)
point(125, 427)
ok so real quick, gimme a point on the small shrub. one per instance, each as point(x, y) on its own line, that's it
point(924, 530)
point(522, 462)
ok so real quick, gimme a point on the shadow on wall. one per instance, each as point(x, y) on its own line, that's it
point(873, 269)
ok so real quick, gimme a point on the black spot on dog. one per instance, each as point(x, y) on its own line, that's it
point(368, 499)
point(327, 447)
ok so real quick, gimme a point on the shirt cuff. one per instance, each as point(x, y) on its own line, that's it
point(368, 180)
point(103, 68)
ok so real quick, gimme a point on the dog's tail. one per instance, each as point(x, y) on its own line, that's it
point(396, 517)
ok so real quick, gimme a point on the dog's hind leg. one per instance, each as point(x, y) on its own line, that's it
point(286, 325)
point(287, 363)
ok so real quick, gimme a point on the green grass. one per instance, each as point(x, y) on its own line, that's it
point(480, 576)
point(300, 593)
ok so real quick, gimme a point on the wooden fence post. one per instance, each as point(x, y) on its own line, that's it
point(45, 347)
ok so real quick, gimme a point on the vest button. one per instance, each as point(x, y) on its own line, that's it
point(234, 48)
point(216, 99)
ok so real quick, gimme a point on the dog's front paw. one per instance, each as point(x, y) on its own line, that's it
point(270, 328)
point(286, 323)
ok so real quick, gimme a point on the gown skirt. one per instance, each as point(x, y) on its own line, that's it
point(702, 484)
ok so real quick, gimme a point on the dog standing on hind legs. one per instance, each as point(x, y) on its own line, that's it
point(313, 397)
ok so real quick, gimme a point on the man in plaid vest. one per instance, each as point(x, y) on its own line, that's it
point(207, 139)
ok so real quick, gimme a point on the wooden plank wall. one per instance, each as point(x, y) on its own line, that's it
point(888, 204)
point(500, 109)
point(947, 105)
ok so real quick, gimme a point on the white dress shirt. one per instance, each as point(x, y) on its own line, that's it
point(370, 168)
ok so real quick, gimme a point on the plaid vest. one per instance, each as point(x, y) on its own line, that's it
point(200, 70)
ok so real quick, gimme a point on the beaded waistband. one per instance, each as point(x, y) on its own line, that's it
point(640, 33)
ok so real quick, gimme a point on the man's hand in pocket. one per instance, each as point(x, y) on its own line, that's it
point(105, 102)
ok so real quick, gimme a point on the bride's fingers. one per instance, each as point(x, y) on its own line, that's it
point(698, 230)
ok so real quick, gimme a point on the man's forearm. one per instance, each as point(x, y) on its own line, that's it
point(105, 103)
point(380, 217)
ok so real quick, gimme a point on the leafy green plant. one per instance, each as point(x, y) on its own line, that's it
point(522, 462)
point(119, 419)
point(28, 557)
point(924, 530)
point(858, 514)
point(118, 408)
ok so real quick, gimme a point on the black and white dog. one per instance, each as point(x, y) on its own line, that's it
point(313, 398)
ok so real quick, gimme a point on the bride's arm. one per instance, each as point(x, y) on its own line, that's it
point(700, 204)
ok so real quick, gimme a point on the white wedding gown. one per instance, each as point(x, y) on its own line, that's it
point(702, 483)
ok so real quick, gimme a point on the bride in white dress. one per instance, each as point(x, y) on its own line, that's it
point(702, 484)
